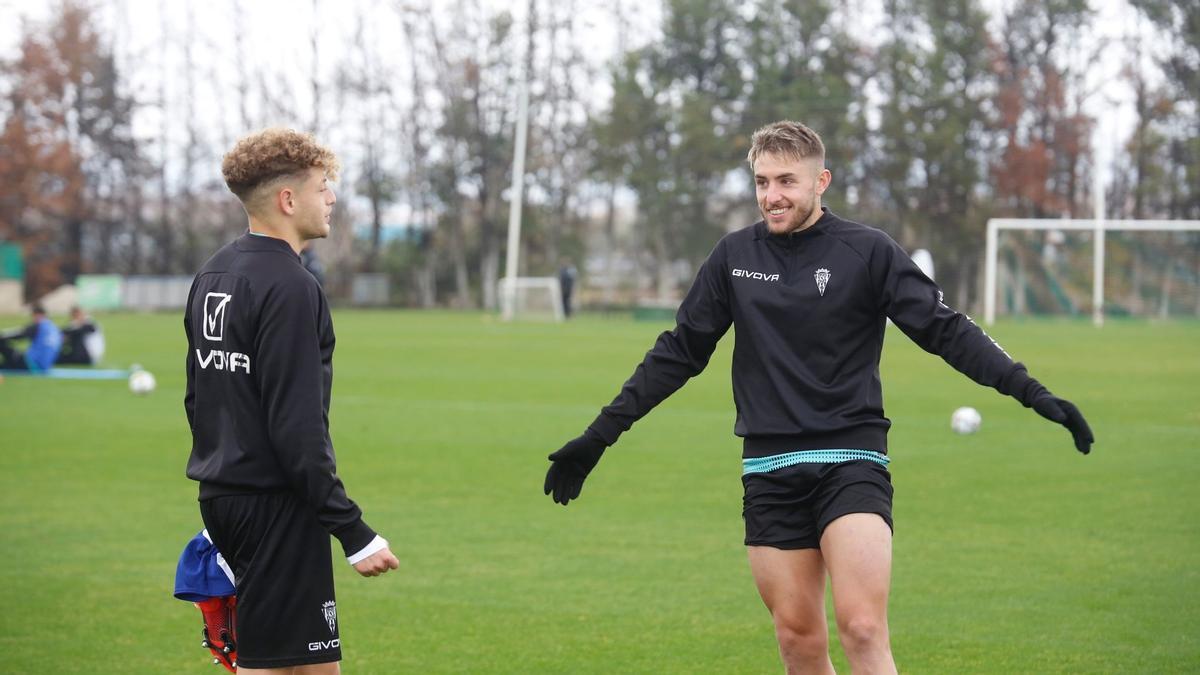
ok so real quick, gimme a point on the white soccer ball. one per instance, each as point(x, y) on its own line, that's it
point(141, 382)
point(966, 420)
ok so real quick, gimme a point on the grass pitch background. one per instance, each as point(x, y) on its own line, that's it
point(1012, 552)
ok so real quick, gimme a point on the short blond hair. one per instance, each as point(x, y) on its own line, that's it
point(787, 139)
point(263, 157)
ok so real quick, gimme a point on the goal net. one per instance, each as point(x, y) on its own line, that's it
point(531, 298)
point(1067, 267)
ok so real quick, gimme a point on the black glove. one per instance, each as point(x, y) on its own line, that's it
point(571, 464)
point(1065, 413)
point(1032, 394)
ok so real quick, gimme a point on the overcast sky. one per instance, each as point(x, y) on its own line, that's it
point(279, 32)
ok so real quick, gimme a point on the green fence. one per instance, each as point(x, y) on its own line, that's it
point(12, 265)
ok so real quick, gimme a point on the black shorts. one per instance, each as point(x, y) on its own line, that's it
point(283, 571)
point(790, 508)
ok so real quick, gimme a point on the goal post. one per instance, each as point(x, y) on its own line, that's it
point(531, 297)
point(1174, 258)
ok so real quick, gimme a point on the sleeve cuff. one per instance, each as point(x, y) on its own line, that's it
point(1016, 382)
point(377, 544)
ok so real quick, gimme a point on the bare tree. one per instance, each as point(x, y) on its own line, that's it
point(368, 81)
point(418, 185)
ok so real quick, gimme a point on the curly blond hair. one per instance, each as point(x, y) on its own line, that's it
point(270, 154)
point(787, 139)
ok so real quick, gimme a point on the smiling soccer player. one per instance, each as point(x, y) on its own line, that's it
point(810, 294)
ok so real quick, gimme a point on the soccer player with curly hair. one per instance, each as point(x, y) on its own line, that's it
point(259, 376)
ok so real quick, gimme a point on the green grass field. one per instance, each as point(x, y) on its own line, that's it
point(1014, 554)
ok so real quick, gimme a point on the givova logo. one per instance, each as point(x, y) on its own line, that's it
point(755, 275)
point(214, 315)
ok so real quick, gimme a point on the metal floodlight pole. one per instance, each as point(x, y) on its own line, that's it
point(989, 283)
point(1098, 256)
point(509, 296)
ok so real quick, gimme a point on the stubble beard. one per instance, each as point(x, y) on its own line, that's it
point(792, 225)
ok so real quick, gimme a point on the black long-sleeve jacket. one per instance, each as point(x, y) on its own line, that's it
point(810, 310)
point(259, 376)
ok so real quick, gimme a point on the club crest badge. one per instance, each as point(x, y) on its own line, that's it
point(329, 609)
point(822, 276)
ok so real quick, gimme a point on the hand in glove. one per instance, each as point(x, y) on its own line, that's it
point(1065, 413)
point(1032, 394)
point(571, 464)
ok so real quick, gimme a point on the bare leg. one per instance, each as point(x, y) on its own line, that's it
point(792, 585)
point(858, 550)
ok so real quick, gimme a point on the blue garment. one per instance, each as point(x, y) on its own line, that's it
point(43, 348)
point(831, 456)
point(202, 572)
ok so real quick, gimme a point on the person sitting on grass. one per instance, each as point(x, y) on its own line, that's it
point(83, 341)
point(45, 339)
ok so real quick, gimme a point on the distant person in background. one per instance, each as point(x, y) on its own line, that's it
point(45, 339)
point(566, 282)
point(83, 342)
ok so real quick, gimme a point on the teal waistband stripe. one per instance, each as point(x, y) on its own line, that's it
point(773, 462)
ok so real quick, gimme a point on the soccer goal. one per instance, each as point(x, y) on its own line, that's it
point(530, 298)
point(1144, 268)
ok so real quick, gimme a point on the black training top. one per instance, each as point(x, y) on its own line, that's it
point(259, 374)
point(810, 310)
